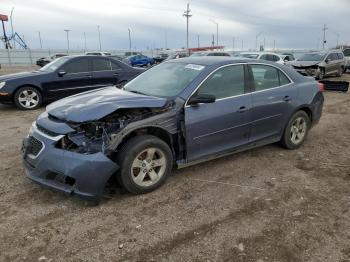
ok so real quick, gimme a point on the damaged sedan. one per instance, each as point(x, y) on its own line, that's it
point(176, 114)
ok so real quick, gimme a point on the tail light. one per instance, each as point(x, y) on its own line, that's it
point(320, 86)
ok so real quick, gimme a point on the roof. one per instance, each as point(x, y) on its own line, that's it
point(210, 60)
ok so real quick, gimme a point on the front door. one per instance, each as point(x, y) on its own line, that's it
point(221, 126)
point(77, 78)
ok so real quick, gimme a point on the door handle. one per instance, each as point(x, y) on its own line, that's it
point(243, 109)
point(287, 98)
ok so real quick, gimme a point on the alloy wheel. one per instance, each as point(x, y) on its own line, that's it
point(28, 99)
point(298, 130)
point(148, 167)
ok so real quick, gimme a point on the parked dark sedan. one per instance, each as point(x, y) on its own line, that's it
point(177, 113)
point(63, 77)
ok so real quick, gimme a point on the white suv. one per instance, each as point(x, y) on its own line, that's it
point(264, 56)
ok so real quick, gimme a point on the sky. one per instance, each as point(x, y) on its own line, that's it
point(295, 24)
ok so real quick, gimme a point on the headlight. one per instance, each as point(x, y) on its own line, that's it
point(2, 84)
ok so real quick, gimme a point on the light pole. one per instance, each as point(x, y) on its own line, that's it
point(13, 41)
point(41, 44)
point(99, 36)
point(198, 40)
point(256, 41)
point(217, 31)
point(84, 42)
point(67, 32)
point(233, 43)
point(129, 39)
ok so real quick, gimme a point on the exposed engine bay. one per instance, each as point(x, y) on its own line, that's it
point(96, 136)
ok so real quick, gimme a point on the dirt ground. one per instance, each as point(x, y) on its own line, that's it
point(266, 204)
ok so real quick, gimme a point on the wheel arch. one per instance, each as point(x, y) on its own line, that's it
point(156, 131)
point(28, 85)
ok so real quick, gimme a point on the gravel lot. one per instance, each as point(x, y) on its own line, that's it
point(266, 204)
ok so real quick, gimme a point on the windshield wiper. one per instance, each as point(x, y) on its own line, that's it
point(136, 92)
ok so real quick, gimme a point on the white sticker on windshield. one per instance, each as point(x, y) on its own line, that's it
point(194, 67)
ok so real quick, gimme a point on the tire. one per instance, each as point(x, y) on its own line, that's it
point(321, 74)
point(145, 176)
point(340, 72)
point(287, 140)
point(27, 98)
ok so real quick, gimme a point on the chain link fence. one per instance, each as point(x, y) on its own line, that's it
point(18, 57)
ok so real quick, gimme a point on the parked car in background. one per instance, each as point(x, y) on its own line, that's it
point(287, 57)
point(139, 60)
point(160, 58)
point(179, 113)
point(210, 53)
point(320, 64)
point(264, 56)
point(177, 55)
point(98, 53)
point(63, 77)
point(45, 60)
point(346, 53)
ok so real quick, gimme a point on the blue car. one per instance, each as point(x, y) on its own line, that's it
point(140, 60)
point(176, 114)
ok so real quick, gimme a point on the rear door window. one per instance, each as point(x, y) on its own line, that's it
point(100, 64)
point(266, 77)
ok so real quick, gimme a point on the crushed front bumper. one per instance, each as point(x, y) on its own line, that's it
point(84, 175)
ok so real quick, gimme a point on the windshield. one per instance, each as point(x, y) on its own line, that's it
point(312, 57)
point(54, 64)
point(250, 55)
point(164, 80)
point(198, 54)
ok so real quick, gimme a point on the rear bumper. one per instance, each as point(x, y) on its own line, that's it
point(65, 171)
point(317, 107)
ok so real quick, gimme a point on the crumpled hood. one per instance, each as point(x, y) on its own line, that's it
point(96, 104)
point(20, 75)
point(304, 63)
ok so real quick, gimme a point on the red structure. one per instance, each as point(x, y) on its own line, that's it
point(3, 17)
point(205, 48)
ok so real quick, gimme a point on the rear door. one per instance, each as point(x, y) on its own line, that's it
point(77, 78)
point(225, 124)
point(273, 101)
point(102, 72)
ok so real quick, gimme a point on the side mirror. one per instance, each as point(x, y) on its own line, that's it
point(286, 60)
point(327, 60)
point(61, 73)
point(202, 98)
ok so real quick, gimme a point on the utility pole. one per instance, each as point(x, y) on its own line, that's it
point(67, 32)
point(166, 39)
point(198, 40)
point(233, 43)
point(84, 42)
point(129, 39)
point(41, 44)
point(217, 31)
point(99, 37)
point(12, 32)
point(213, 42)
point(324, 29)
point(242, 44)
point(187, 15)
point(274, 44)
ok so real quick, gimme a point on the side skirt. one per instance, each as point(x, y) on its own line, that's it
point(270, 140)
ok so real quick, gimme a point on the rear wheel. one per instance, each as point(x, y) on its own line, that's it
point(296, 130)
point(145, 163)
point(340, 71)
point(27, 98)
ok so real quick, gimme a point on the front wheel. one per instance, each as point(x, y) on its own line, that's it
point(27, 98)
point(321, 74)
point(145, 163)
point(340, 72)
point(296, 130)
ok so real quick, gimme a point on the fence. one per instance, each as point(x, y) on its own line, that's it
point(18, 57)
